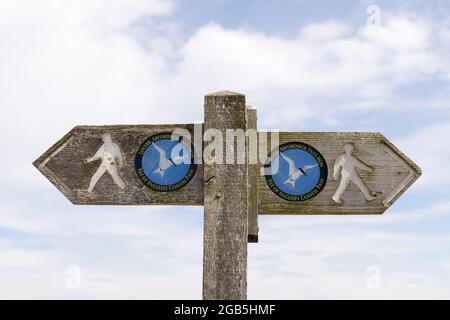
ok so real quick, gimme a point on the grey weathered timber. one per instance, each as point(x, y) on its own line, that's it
point(252, 195)
point(63, 165)
point(225, 205)
point(392, 174)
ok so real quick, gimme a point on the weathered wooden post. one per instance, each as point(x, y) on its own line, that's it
point(225, 202)
point(252, 151)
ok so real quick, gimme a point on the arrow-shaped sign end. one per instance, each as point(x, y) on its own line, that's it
point(414, 171)
point(41, 164)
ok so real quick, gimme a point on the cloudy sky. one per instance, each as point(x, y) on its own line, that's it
point(306, 65)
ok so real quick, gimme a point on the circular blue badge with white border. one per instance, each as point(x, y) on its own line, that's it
point(165, 162)
point(296, 171)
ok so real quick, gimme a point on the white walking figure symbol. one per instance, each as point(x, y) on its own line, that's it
point(345, 165)
point(294, 172)
point(111, 157)
point(165, 163)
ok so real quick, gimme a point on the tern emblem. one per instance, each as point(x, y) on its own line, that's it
point(295, 160)
point(294, 172)
point(164, 162)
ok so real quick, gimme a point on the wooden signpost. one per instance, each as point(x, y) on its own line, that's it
point(303, 173)
point(373, 167)
point(64, 165)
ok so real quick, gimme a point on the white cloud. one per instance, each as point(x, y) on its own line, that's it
point(110, 14)
point(428, 212)
point(368, 65)
point(331, 263)
point(89, 74)
point(103, 284)
point(341, 60)
point(324, 31)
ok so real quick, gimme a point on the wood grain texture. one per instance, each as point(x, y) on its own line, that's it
point(63, 165)
point(393, 174)
point(252, 195)
point(225, 194)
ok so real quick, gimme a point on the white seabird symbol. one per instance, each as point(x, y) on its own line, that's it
point(294, 172)
point(165, 163)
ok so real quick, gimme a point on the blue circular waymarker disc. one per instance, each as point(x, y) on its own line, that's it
point(296, 171)
point(164, 163)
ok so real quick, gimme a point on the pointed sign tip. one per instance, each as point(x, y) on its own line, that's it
point(402, 156)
